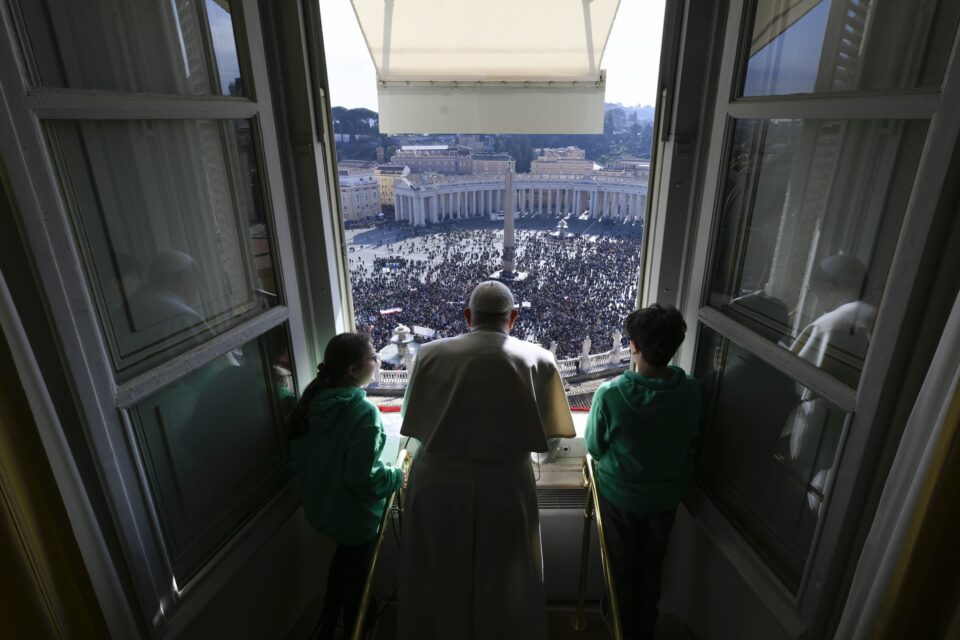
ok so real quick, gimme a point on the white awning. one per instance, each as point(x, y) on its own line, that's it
point(488, 66)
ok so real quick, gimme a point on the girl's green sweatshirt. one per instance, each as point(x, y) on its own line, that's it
point(342, 481)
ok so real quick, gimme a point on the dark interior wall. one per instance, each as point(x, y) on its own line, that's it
point(274, 594)
point(704, 586)
point(47, 592)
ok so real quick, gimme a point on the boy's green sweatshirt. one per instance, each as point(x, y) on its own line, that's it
point(640, 431)
point(342, 481)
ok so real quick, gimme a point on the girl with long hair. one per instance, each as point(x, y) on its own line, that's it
point(336, 438)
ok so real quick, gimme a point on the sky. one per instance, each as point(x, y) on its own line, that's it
point(632, 57)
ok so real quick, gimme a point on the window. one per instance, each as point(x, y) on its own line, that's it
point(153, 47)
point(175, 310)
point(213, 446)
point(807, 198)
point(842, 45)
point(810, 214)
point(770, 453)
point(171, 217)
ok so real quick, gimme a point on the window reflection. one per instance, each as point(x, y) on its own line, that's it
point(172, 221)
point(809, 219)
point(224, 47)
point(156, 46)
point(822, 46)
point(769, 452)
point(212, 446)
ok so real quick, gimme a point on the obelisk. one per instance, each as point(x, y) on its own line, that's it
point(509, 246)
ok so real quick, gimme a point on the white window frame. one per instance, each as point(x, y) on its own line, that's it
point(47, 229)
point(856, 449)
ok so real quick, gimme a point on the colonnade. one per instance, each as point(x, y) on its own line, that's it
point(440, 202)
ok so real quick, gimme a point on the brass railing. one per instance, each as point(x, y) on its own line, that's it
point(368, 587)
point(591, 509)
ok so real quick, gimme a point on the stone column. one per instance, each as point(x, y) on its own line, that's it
point(509, 246)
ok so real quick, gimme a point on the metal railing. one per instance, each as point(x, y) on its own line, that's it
point(357, 634)
point(591, 509)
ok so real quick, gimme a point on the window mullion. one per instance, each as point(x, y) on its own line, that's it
point(148, 382)
point(914, 104)
point(67, 104)
point(776, 356)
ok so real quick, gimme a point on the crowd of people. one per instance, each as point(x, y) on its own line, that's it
point(577, 286)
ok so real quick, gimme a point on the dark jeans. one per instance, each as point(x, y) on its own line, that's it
point(348, 574)
point(637, 543)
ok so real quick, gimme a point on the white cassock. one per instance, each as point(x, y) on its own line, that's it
point(836, 343)
point(470, 564)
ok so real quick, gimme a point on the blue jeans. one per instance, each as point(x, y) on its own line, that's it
point(637, 543)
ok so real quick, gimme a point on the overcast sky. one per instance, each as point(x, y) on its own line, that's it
point(631, 59)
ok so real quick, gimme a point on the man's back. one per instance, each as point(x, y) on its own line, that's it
point(485, 395)
point(470, 564)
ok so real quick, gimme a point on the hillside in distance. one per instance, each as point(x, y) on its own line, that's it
point(627, 130)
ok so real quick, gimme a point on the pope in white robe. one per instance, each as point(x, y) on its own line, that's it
point(478, 404)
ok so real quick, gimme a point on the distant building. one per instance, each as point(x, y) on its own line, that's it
point(424, 199)
point(357, 167)
point(445, 159)
point(387, 175)
point(381, 155)
point(629, 163)
point(563, 161)
point(474, 142)
point(498, 163)
point(359, 195)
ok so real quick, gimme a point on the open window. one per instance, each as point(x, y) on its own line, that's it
point(580, 198)
point(823, 115)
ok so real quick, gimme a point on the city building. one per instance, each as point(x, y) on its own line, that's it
point(563, 161)
point(484, 163)
point(359, 196)
point(357, 166)
point(429, 199)
point(476, 143)
point(387, 175)
point(630, 164)
point(445, 159)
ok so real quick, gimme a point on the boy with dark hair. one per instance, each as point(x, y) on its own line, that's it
point(640, 431)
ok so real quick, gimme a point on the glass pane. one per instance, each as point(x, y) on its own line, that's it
point(769, 452)
point(172, 223)
point(824, 46)
point(212, 446)
point(156, 46)
point(809, 219)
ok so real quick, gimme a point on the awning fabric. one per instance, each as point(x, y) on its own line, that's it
point(490, 66)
